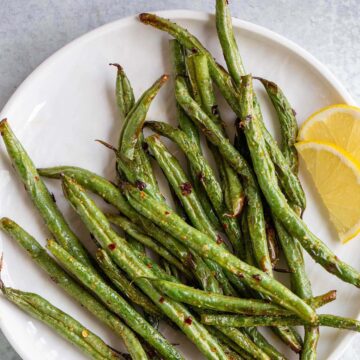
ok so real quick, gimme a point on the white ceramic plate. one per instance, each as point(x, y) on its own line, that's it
point(69, 101)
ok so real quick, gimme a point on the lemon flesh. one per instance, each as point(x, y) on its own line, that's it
point(336, 124)
point(336, 175)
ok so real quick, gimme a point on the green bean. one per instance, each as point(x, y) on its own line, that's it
point(124, 285)
point(278, 204)
point(138, 170)
point(288, 181)
point(182, 66)
point(136, 117)
point(243, 341)
point(229, 343)
point(135, 244)
point(66, 326)
point(113, 301)
point(256, 219)
point(289, 218)
point(287, 120)
point(202, 169)
point(111, 194)
point(178, 55)
point(61, 278)
point(212, 301)
point(203, 245)
point(233, 191)
point(228, 42)
point(135, 232)
point(244, 321)
point(260, 341)
point(192, 206)
point(41, 196)
point(124, 257)
point(190, 42)
point(124, 93)
point(255, 214)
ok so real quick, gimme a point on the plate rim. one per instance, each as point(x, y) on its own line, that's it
point(185, 14)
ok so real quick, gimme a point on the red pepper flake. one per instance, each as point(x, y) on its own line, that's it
point(142, 194)
point(167, 212)
point(112, 247)
point(149, 265)
point(186, 188)
point(36, 178)
point(225, 226)
point(140, 185)
point(219, 240)
point(188, 320)
point(161, 300)
point(257, 277)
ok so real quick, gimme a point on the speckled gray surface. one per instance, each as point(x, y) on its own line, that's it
point(31, 30)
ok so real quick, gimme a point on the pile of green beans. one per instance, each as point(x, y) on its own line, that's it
point(215, 252)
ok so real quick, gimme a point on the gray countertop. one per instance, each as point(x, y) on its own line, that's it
point(31, 30)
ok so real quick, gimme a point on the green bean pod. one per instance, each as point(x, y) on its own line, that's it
point(244, 321)
point(41, 196)
point(136, 233)
point(183, 66)
point(61, 278)
point(66, 326)
point(255, 212)
point(135, 118)
point(224, 82)
point(287, 120)
point(203, 245)
point(124, 285)
point(233, 191)
point(125, 258)
point(279, 205)
point(111, 194)
point(212, 301)
point(113, 301)
point(124, 93)
point(243, 341)
point(191, 204)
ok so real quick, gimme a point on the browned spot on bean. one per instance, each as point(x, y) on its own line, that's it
point(161, 300)
point(149, 265)
point(219, 239)
point(188, 320)
point(167, 212)
point(240, 275)
point(140, 185)
point(257, 277)
point(186, 188)
point(112, 247)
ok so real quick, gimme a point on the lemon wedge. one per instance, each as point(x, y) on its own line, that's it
point(336, 124)
point(336, 175)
